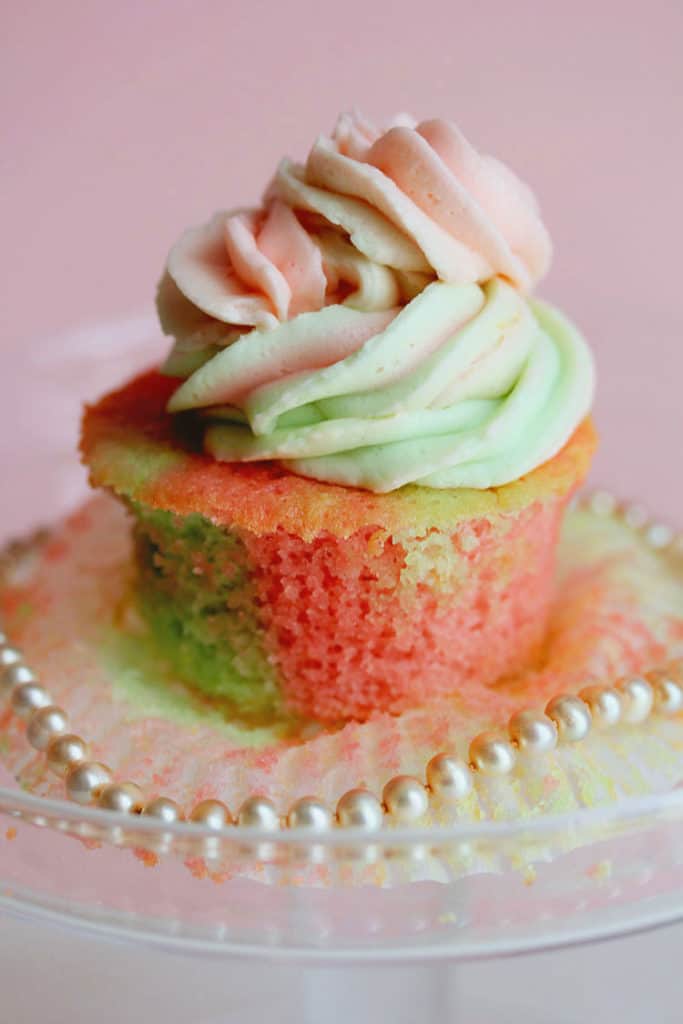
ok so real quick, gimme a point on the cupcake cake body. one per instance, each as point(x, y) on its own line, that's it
point(356, 487)
point(274, 591)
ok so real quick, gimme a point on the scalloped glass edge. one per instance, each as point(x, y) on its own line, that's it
point(125, 830)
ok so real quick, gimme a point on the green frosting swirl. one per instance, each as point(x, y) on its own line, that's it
point(464, 386)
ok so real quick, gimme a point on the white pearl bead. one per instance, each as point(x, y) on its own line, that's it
point(124, 797)
point(636, 516)
point(602, 503)
point(64, 752)
point(4, 642)
point(164, 809)
point(29, 697)
point(85, 781)
point(258, 812)
point(212, 814)
point(311, 814)
point(491, 754)
point(359, 808)
point(10, 663)
point(604, 704)
point(659, 536)
point(15, 675)
point(532, 731)
point(637, 698)
point(448, 778)
point(45, 724)
point(571, 716)
point(405, 799)
point(668, 694)
point(8, 656)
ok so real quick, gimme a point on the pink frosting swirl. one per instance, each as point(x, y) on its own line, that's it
point(369, 219)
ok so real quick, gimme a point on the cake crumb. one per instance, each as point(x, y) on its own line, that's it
point(149, 859)
point(600, 871)
point(197, 867)
point(529, 874)
point(375, 543)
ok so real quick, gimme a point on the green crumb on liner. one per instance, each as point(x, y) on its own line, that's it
point(147, 685)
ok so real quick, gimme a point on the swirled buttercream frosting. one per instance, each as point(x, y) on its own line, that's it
point(369, 324)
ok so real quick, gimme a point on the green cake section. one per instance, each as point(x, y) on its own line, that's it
point(190, 573)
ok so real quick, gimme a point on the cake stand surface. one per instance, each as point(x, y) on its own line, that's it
point(349, 948)
point(82, 981)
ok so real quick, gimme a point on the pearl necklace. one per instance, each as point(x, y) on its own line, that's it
point(448, 779)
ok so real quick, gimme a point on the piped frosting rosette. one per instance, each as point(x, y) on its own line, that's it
point(368, 324)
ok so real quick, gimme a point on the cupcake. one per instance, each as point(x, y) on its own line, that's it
point(348, 480)
point(328, 580)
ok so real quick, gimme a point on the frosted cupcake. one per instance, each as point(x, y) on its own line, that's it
point(350, 502)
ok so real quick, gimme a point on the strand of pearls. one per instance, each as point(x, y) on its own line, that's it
point(405, 800)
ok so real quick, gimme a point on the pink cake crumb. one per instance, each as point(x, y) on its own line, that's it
point(351, 634)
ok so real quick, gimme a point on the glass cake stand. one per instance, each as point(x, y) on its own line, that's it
point(450, 895)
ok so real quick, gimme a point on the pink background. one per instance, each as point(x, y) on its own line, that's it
point(125, 121)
